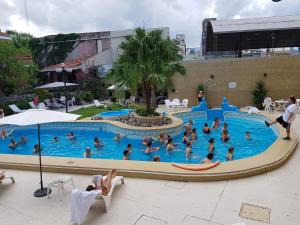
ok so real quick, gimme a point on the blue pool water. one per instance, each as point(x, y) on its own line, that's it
point(114, 113)
point(262, 138)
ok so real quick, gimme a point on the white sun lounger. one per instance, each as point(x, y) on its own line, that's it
point(97, 103)
point(107, 198)
point(15, 109)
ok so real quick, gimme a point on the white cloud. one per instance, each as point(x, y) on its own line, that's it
point(182, 16)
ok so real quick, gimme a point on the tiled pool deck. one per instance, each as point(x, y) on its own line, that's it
point(145, 201)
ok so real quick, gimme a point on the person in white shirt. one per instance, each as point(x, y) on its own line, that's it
point(287, 118)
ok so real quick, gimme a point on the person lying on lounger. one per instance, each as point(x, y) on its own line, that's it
point(104, 184)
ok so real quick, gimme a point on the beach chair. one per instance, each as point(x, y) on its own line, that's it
point(32, 105)
point(59, 184)
point(167, 104)
point(97, 103)
point(269, 105)
point(107, 198)
point(3, 177)
point(15, 109)
point(42, 105)
point(184, 103)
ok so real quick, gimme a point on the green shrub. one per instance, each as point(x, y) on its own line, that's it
point(43, 94)
point(86, 96)
point(200, 87)
point(145, 112)
point(259, 94)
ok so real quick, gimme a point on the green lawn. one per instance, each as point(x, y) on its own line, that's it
point(93, 110)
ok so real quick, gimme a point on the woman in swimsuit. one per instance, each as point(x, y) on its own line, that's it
point(211, 145)
point(185, 139)
point(188, 150)
point(206, 129)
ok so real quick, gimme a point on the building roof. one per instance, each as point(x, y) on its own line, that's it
point(72, 65)
point(4, 36)
point(256, 24)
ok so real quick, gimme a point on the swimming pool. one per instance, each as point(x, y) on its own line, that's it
point(113, 114)
point(262, 138)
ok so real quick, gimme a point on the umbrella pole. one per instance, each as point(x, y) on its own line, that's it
point(42, 191)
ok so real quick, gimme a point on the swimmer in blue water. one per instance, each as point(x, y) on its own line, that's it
point(211, 145)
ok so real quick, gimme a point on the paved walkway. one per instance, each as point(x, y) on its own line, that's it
point(156, 202)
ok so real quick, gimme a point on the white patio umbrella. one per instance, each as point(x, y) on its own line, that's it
point(38, 116)
point(118, 86)
point(55, 85)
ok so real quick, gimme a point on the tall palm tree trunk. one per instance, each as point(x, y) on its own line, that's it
point(147, 93)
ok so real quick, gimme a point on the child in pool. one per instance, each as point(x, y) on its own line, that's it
point(211, 145)
point(206, 129)
point(229, 155)
point(216, 123)
point(188, 150)
point(225, 127)
point(36, 149)
point(248, 136)
point(208, 158)
point(149, 149)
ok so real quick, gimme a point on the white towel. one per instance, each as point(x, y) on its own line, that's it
point(253, 110)
point(81, 202)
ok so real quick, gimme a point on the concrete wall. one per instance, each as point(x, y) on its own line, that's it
point(282, 80)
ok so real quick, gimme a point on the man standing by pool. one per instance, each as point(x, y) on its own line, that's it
point(287, 118)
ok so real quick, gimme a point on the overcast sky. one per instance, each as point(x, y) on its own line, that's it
point(181, 16)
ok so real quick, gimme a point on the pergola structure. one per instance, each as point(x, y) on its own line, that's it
point(255, 33)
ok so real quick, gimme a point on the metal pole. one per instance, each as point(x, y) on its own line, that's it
point(66, 91)
point(40, 156)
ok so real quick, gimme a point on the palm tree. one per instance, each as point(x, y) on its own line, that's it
point(148, 61)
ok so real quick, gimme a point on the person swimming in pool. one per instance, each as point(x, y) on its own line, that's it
point(3, 134)
point(146, 140)
point(211, 144)
point(206, 129)
point(118, 137)
point(87, 153)
point(225, 136)
point(23, 140)
point(156, 158)
point(162, 138)
point(150, 149)
point(71, 136)
point(248, 135)
point(55, 139)
point(168, 137)
point(185, 139)
point(36, 149)
point(216, 123)
point(13, 144)
point(208, 158)
point(97, 142)
point(129, 148)
point(126, 154)
point(229, 155)
point(225, 127)
point(188, 150)
point(194, 135)
point(170, 145)
point(189, 127)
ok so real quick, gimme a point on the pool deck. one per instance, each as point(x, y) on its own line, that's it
point(156, 202)
point(276, 155)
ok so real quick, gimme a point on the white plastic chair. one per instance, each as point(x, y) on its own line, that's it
point(15, 109)
point(32, 105)
point(167, 104)
point(59, 184)
point(185, 103)
point(176, 103)
point(42, 106)
point(2, 174)
point(269, 105)
point(107, 198)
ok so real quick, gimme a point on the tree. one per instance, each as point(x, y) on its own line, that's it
point(16, 76)
point(21, 40)
point(259, 94)
point(147, 60)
